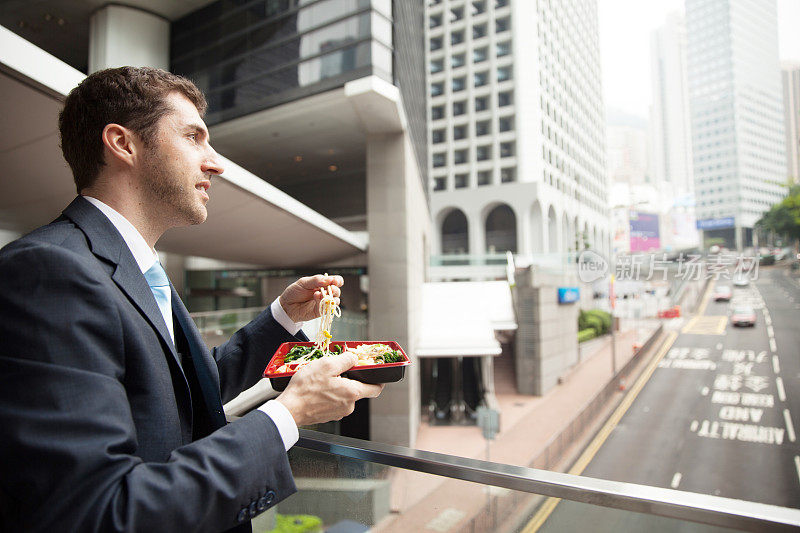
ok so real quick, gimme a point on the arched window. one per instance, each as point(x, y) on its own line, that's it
point(501, 230)
point(455, 233)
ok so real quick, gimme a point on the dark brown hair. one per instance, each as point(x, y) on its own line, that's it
point(133, 97)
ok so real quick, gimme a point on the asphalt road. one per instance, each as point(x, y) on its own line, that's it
point(719, 415)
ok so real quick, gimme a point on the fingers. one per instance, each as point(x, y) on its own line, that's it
point(334, 365)
point(365, 390)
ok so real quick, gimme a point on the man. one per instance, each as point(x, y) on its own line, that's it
point(110, 405)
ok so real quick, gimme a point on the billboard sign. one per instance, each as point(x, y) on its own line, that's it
point(568, 295)
point(716, 223)
point(644, 232)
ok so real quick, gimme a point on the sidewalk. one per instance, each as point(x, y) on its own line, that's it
point(528, 425)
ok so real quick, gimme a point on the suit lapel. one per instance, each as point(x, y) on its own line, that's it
point(107, 243)
point(204, 365)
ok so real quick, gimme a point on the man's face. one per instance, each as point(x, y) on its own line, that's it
point(178, 165)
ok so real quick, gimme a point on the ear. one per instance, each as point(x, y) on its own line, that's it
point(120, 143)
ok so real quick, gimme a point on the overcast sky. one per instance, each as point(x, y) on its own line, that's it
point(625, 28)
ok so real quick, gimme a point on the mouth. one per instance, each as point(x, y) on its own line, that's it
point(203, 187)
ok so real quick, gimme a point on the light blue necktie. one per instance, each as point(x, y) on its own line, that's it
point(159, 284)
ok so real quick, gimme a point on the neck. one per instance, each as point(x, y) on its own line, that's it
point(128, 202)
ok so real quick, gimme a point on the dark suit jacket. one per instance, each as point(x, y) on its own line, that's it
point(96, 412)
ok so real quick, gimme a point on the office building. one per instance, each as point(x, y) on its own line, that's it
point(670, 134)
point(790, 73)
point(516, 133)
point(737, 124)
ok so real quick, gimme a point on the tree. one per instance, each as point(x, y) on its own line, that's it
point(783, 218)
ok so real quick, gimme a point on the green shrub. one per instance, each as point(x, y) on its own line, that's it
point(298, 523)
point(604, 316)
point(586, 334)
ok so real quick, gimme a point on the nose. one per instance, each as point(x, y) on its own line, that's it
point(212, 163)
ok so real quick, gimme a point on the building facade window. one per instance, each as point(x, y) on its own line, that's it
point(481, 79)
point(437, 88)
point(437, 136)
point(458, 60)
point(482, 153)
point(482, 127)
point(501, 230)
point(461, 181)
point(503, 49)
point(503, 74)
point(479, 55)
point(481, 103)
point(504, 98)
point(501, 25)
point(437, 112)
point(479, 31)
point(459, 84)
point(435, 21)
point(508, 174)
point(459, 132)
point(506, 149)
point(439, 160)
point(460, 157)
point(455, 233)
point(457, 37)
point(478, 7)
point(459, 108)
point(436, 43)
point(484, 177)
point(439, 184)
point(437, 65)
point(505, 124)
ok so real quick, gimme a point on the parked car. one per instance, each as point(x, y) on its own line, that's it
point(722, 293)
point(743, 316)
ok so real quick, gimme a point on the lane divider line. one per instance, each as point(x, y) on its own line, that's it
point(772, 345)
point(776, 364)
point(588, 454)
point(789, 425)
point(676, 480)
point(781, 390)
point(770, 331)
point(797, 467)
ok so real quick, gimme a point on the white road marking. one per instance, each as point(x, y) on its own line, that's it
point(776, 365)
point(767, 319)
point(719, 346)
point(676, 479)
point(797, 466)
point(781, 391)
point(772, 345)
point(770, 332)
point(694, 425)
point(789, 426)
point(704, 391)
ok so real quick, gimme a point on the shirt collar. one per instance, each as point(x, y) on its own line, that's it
point(144, 255)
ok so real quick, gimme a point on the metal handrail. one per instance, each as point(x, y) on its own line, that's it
point(702, 508)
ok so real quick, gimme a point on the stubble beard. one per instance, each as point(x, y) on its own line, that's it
point(174, 201)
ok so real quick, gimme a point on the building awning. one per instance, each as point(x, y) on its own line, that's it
point(249, 220)
point(460, 318)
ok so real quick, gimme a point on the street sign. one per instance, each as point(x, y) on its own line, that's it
point(489, 421)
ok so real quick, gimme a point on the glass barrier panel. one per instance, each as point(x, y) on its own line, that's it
point(344, 494)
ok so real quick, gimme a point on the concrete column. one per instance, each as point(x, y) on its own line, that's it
point(524, 233)
point(477, 233)
point(122, 35)
point(398, 223)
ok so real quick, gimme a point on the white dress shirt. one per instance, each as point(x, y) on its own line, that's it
point(146, 257)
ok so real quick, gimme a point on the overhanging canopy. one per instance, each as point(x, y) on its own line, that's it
point(249, 220)
point(460, 318)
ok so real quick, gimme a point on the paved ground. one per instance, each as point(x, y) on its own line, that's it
point(718, 415)
point(422, 502)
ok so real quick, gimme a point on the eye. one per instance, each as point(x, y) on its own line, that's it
point(193, 136)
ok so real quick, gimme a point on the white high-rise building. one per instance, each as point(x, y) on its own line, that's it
point(736, 104)
point(791, 104)
point(517, 141)
point(671, 143)
point(670, 134)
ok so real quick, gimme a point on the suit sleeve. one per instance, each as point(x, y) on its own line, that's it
point(68, 442)
point(242, 359)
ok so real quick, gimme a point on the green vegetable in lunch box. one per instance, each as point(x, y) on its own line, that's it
point(309, 353)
